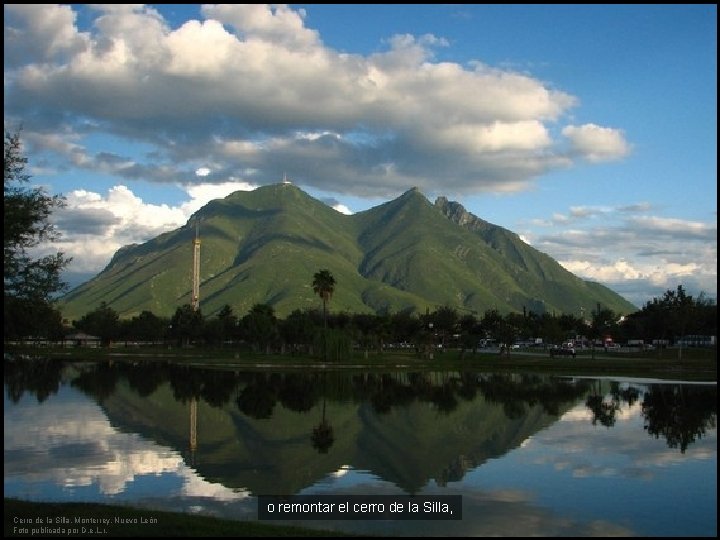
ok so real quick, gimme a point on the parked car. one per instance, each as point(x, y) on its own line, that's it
point(562, 351)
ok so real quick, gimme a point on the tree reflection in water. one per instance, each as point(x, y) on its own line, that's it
point(322, 435)
point(517, 391)
point(257, 400)
point(40, 377)
point(98, 381)
point(604, 408)
point(679, 413)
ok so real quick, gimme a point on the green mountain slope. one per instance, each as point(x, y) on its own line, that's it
point(545, 284)
point(264, 246)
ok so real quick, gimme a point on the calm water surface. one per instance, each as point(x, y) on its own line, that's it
point(530, 455)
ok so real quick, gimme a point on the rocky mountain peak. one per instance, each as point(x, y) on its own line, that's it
point(456, 213)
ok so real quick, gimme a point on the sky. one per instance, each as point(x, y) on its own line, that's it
point(590, 131)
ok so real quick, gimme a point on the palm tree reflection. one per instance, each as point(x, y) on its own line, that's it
point(322, 435)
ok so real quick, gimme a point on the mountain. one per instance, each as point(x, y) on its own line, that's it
point(264, 246)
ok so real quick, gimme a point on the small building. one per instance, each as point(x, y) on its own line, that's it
point(81, 339)
point(696, 341)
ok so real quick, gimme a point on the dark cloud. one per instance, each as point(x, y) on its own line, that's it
point(330, 201)
point(94, 221)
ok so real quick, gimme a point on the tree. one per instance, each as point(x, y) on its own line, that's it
point(228, 323)
point(673, 315)
point(571, 325)
point(704, 320)
point(324, 285)
point(27, 225)
point(261, 326)
point(222, 328)
point(103, 322)
point(506, 334)
point(445, 319)
point(550, 329)
point(469, 333)
point(24, 317)
point(405, 326)
point(297, 330)
point(603, 321)
point(680, 307)
point(367, 330)
point(490, 322)
point(186, 325)
point(146, 327)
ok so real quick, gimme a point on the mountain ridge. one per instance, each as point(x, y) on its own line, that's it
point(264, 246)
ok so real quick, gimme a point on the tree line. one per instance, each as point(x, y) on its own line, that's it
point(31, 285)
point(305, 331)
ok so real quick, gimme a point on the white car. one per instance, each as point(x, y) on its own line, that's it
point(562, 351)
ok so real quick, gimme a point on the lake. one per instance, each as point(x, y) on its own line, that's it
point(528, 454)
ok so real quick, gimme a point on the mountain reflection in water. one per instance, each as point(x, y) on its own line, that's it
point(241, 433)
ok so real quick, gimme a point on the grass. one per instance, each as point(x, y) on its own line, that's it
point(696, 365)
point(692, 367)
point(60, 520)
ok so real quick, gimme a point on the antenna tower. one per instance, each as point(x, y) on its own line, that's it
point(195, 300)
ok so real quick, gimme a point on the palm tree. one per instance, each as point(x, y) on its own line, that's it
point(324, 285)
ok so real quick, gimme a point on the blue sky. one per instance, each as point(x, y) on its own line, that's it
point(591, 131)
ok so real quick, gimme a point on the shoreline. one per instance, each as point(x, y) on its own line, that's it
point(696, 365)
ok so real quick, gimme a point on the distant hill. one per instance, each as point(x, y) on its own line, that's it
point(264, 246)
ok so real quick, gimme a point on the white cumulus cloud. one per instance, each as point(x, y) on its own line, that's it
point(637, 254)
point(94, 226)
point(596, 143)
point(111, 460)
point(238, 88)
